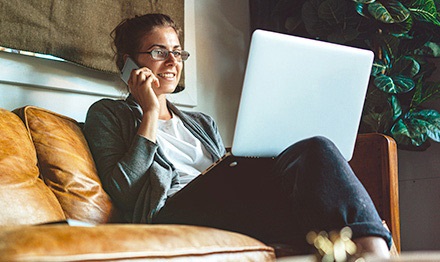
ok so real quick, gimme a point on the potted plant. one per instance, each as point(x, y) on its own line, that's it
point(405, 37)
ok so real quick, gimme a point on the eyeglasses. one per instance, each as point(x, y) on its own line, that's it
point(161, 54)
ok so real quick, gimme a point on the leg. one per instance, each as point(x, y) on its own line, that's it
point(309, 187)
point(321, 185)
point(243, 198)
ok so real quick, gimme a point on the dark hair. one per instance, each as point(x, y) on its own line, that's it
point(128, 34)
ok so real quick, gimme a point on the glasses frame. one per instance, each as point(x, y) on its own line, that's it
point(176, 53)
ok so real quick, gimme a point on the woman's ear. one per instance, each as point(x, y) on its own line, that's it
point(124, 57)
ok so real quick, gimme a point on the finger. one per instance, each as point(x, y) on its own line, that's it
point(132, 80)
point(143, 70)
point(136, 73)
point(139, 77)
point(154, 80)
point(145, 74)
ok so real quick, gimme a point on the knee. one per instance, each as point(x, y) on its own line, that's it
point(314, 149)
point(312, 160)
point(320, 142)
point(320, 145)
point(314, 145)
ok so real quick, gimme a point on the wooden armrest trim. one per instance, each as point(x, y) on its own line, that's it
point(375, 164)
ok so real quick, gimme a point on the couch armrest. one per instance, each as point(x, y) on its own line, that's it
point(123, 242)
point(375, 164)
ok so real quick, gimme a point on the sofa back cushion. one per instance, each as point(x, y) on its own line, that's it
point(66, 165)
point(24, 198)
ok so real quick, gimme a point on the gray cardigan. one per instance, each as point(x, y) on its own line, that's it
point(133, 170)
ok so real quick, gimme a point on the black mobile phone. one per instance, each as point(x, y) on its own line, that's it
point(129, 66)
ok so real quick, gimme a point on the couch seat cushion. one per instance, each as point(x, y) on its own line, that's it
point(114, 242)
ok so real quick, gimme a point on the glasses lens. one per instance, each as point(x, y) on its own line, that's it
point(184, 55)
point(159, 54)
point(162, 54)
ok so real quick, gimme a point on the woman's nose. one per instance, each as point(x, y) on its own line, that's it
point(171, 59)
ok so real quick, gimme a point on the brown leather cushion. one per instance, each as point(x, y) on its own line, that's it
point(117, 242)
point(66, 164)
point(24, 198)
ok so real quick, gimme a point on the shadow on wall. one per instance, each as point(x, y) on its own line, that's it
point(222, 44)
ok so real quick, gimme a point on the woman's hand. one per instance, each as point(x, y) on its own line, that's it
point(142, 83)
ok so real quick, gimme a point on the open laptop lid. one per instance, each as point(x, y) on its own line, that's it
point(296, 88)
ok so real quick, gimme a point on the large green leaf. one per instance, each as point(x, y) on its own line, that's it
point(395, 107)
point(430, 120)
point(407, 66)
point(377, 113)
point(394, 84)
point(416, 127)
point(389, 46)
point(417, 98)
point(425, 11)
point(379, 68)
point(362, 9)
point(429, 49)
point(400, 30)
point(403, 83)
point(385, 83)
point(376, 122)
point(376, 100)
point(419, 38)
point(389, 12)
point(407, 134)
point(425, 92)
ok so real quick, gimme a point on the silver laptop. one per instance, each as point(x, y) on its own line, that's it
point(296, 88)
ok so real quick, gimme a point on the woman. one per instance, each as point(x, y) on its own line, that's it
point(146, 150)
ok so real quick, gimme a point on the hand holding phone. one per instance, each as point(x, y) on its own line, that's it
point(142, 91)
point(129, 66)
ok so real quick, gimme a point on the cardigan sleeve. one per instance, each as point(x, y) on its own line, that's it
point(123, 158)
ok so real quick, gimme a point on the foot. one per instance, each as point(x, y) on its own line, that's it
point(375, 246)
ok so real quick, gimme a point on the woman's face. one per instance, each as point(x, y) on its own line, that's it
point(169, 70)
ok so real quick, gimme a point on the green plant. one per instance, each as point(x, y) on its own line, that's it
point(405, 37)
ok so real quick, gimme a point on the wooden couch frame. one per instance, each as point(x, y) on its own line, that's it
point(375, 164)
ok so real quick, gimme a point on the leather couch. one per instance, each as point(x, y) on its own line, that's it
point(48, 182)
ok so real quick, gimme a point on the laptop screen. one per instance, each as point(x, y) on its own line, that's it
point(296, 88)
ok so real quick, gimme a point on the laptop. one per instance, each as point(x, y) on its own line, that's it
point(296, 88)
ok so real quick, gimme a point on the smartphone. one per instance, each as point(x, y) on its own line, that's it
point(129, 66)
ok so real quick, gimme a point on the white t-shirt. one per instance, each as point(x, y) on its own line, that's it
point(183, 149)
